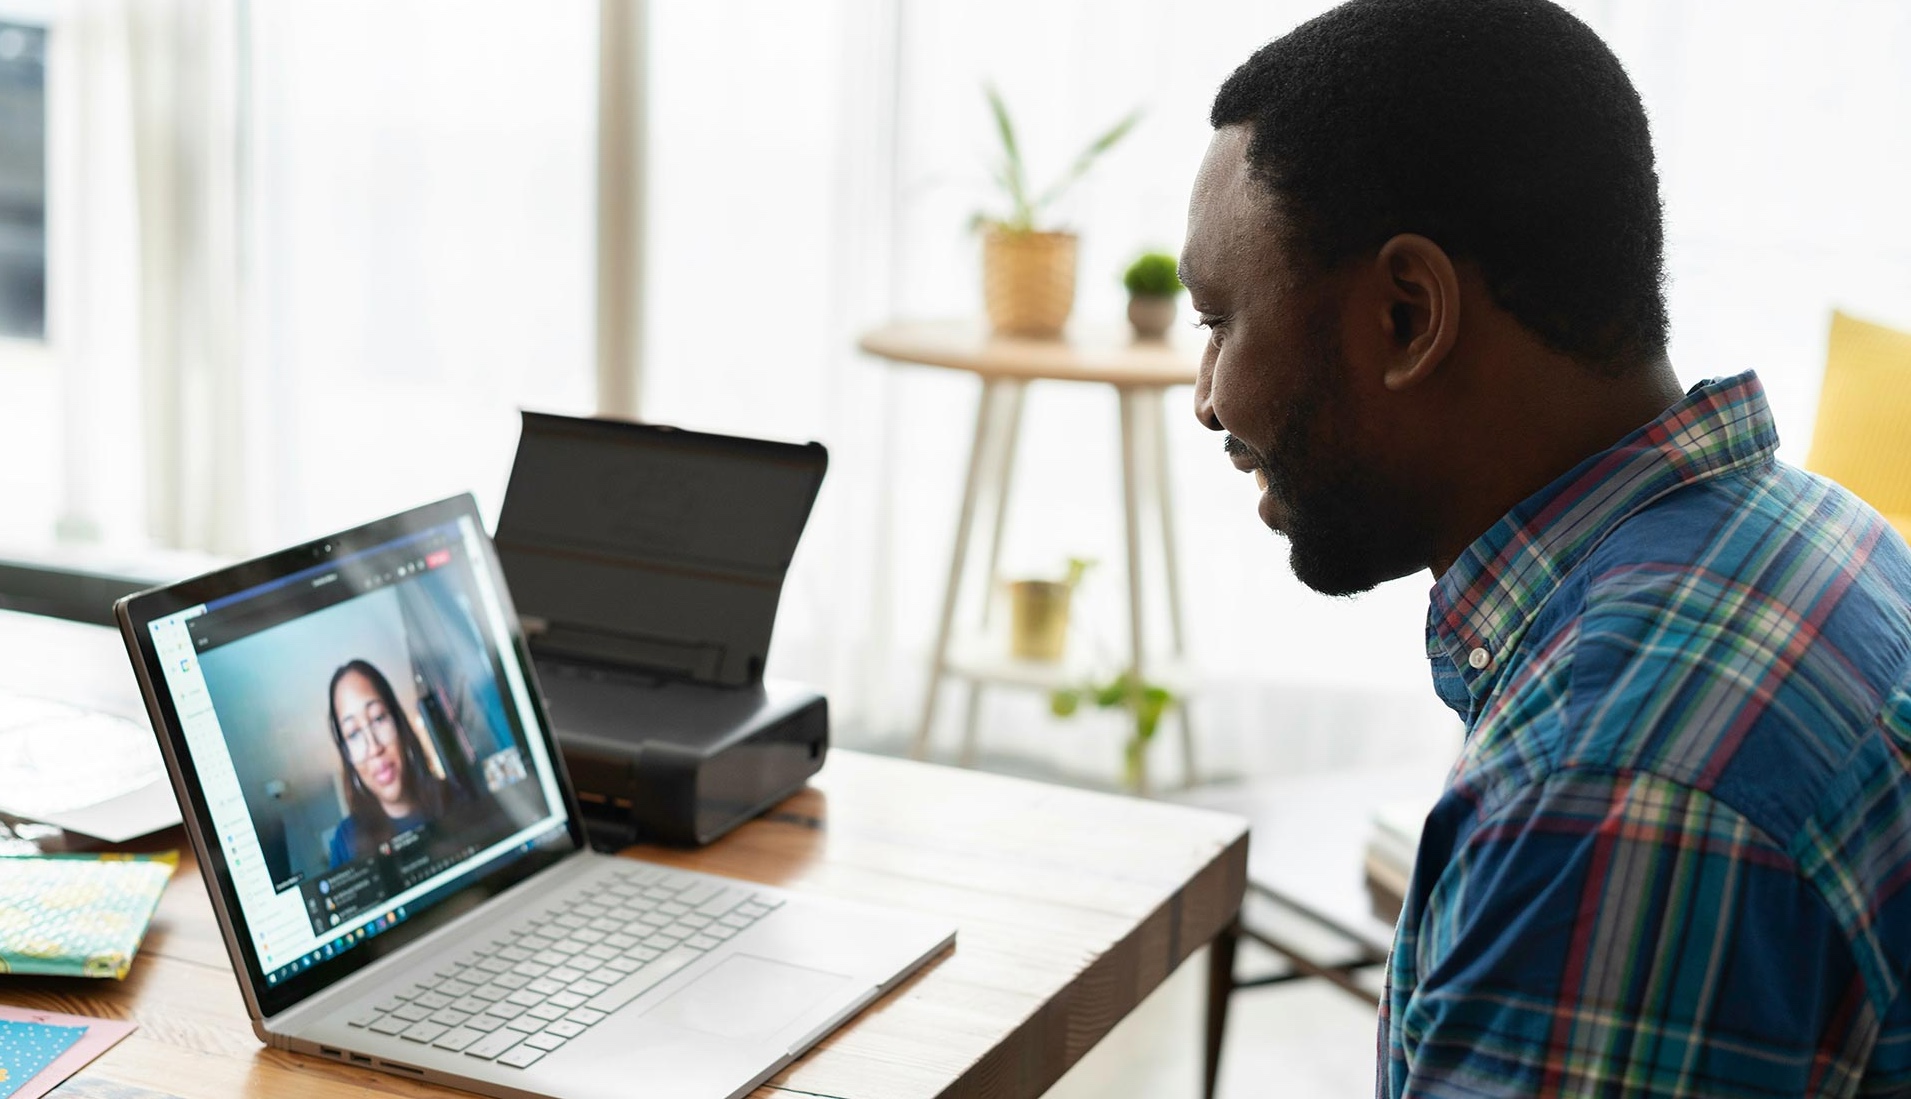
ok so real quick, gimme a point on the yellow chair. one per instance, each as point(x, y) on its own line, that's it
point(1863, 435)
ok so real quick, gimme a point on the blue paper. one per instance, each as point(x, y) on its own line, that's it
point(26, 1048)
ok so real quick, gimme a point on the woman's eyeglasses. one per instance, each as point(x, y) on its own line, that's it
point(358, 738)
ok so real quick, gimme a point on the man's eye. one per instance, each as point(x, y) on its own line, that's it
point(1212, 323)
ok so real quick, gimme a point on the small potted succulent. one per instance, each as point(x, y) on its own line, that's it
point(1153, 288)
point(1028, 273)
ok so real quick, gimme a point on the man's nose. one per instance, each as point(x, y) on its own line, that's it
point(1204, 397)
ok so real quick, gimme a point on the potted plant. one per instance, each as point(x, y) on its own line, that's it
point(1146, 701)
point(1028, 273)
point(1153, 288)
point(1038, 614)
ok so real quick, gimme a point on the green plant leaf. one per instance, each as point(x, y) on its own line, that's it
point(1010, 175)
point(1153, 273)
point(1086, 160)
point(1077, 568)
point(1153, 703)
point(1134, 756)
point(1064, 703)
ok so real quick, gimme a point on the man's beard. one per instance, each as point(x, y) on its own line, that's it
point(1347, 528)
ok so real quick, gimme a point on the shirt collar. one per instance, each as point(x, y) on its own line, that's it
point(1483, 604)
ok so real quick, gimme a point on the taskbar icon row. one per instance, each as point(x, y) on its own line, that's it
point(337, 946)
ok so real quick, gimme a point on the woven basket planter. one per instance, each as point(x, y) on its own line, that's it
point(1028, 281)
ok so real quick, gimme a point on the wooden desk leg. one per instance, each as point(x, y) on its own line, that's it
point(1010, 433)
point(1220, 991)
point(980, 451)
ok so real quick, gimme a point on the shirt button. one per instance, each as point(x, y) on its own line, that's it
point(1479, 658)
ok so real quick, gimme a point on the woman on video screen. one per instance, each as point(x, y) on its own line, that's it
point(392, 788)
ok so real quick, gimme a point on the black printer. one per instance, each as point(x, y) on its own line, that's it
point(646, 563)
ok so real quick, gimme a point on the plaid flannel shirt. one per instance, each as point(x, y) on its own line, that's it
point(1674, 857)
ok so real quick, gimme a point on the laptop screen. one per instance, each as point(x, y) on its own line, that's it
point(364, 739)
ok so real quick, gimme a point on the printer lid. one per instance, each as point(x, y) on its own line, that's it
point(652, 548)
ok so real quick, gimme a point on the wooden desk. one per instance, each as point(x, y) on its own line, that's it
point(1140, 372)
point(1071, 907)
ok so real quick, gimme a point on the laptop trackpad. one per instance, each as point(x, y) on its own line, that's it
point(746, 997)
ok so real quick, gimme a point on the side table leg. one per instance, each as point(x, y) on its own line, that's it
point(1132, 472)
point(979, 451)
point(971, 722)
point(1001, 473)
point(1164, 502)
point(1013, 393)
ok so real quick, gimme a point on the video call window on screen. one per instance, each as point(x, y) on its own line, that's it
point(365, 715)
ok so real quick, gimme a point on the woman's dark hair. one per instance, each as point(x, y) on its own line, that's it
point(429, 793)
point(1504, 130)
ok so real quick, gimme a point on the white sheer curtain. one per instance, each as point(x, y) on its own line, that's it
point(420, 224)
point(183, 64)
point(813, 172)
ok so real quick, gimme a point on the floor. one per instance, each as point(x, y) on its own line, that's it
point(1305, 1039)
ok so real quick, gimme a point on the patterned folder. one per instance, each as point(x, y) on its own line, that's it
point(78, 915)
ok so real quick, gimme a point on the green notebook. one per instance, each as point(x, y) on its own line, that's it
point(78, 915)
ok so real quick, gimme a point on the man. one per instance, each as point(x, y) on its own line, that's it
point(1674, 857)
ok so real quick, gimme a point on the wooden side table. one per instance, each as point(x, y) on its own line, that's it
point(1140, 371)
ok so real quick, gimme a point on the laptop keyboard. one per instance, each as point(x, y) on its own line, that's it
point(561, 972)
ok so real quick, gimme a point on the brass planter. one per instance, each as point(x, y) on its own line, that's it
point(1028, 281)
point(1038, 619)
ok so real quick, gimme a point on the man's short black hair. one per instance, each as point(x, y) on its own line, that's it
point(1503, 130)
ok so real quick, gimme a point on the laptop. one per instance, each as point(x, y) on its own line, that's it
point(397, 861)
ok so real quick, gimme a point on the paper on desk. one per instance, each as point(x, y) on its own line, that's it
point(101, 1035)
point(26, 1048)
point(84, 770)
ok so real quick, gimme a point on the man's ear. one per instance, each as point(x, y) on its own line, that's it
point(1420, 296)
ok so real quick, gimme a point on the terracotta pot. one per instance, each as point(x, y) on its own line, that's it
point(1028, 281)
point(1151, 314)
point(1038, 619)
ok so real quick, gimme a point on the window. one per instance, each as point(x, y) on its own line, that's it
point(22, 180)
